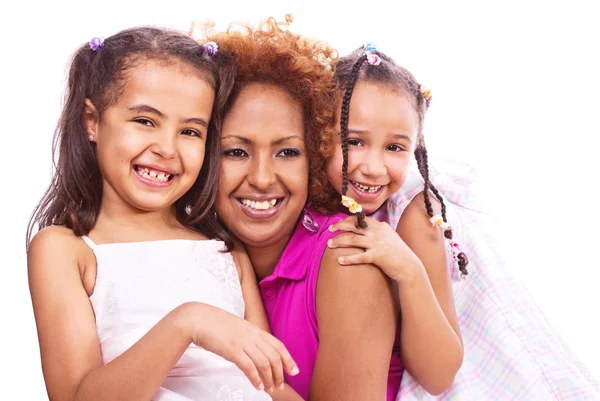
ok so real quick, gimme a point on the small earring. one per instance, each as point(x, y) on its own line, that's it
point(91, 138)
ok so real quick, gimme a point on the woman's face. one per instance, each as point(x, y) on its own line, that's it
point(264, 167)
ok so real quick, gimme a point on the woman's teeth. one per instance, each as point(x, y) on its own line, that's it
point(152, 174)
point(365, 188)
point(258, 205)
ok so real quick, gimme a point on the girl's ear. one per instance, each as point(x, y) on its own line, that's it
point(91, 119)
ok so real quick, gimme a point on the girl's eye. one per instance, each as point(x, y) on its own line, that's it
point(395, 148)
point(288, 153)
point(354, 142)
point(235, 153)
point(145, 121)
point(190, 132)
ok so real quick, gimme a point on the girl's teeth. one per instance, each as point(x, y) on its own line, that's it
point(258, 205)
point(365, 188)
point(153, 175)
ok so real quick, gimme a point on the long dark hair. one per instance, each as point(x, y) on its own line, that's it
point(74, 195)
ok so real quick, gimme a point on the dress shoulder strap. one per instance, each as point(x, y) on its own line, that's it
point(88, 241)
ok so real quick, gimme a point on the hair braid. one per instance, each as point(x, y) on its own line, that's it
point(421, 157)
point(344, 131)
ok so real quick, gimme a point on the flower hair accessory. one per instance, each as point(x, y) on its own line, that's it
point(96, 43)
point(372, 58)
point(211, 48)
point(351, 204)
point(438, 221)
point(426, 92)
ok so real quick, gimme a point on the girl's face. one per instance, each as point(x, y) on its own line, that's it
point(264, 167)
point(382, 134)
point(151, 142)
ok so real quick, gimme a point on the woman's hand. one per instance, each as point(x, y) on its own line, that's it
point(257, 353)
point(382, 247)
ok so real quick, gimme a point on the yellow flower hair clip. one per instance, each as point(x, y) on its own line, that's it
point(351, 204)
point(426, 92)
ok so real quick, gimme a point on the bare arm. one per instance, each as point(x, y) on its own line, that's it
point(70, 351)
point(415, 258)
point(255, 313)
point(69, 346)
point(357, 326)
point(431, 343)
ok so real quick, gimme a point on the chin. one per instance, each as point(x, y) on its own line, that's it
point(258, 238)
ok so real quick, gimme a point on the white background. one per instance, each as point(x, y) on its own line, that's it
point(515, 93)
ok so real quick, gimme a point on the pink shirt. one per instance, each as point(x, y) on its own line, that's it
point(289, 296)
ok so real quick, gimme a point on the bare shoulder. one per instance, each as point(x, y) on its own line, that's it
point(54, 241)
point(56, 250)
point(414, 222)
point(364, 281)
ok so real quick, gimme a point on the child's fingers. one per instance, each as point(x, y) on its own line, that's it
point(348, 224)
point(246, 365)
point(289, 364)
point(349, 240)
point(361, 258)
point(275, 360)
point(263, 365)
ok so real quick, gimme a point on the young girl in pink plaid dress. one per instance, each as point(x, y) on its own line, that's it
point(510, 351)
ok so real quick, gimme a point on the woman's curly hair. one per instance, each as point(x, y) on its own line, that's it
point(301, 66)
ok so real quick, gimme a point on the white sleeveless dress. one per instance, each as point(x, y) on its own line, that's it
point(138, 283)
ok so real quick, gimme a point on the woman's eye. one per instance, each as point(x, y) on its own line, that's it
point(145, 121)
point(235, 153)
point(354, 142)
point(288, 153)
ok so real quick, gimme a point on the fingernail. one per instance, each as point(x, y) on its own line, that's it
point(281, 386)
point(341, 260)
point(261, 387)
point(270, 390)
point(331, 227)
point(329, 242)
point(295, 371)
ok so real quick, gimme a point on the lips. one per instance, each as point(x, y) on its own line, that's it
point(154, 176)
point(263, 206)
point(366, 188)
point(365, 193)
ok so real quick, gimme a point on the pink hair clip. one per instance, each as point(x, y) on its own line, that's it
point(372, 58)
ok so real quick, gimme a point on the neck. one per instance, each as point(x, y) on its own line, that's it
point(265, 258)
point(117, 216)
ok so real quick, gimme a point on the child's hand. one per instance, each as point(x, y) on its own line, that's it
point(257, 353)
point(382, 246)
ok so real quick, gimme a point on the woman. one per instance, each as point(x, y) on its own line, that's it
point(338, 323)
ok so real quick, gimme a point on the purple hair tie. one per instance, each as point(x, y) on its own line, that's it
point(211, 48)
point(96, 43)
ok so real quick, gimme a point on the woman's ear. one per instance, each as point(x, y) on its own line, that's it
point(91, 119)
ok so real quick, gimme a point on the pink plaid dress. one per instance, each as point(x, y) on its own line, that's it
point(511, 351)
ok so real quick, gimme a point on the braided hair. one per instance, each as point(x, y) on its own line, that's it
point(370, 65)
